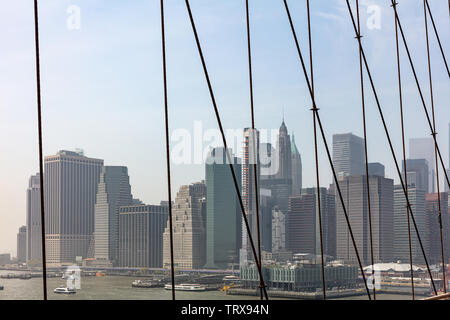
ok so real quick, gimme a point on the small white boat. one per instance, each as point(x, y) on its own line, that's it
point(63, 290)
point(186, 287)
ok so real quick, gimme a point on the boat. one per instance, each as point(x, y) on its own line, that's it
point(1, 287)
point(64, 290)
point(100, 274)
point(186, 287)
point(146, 284)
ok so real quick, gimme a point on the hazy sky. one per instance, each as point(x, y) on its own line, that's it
point(102, 84)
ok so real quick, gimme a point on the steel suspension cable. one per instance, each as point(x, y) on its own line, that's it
point(389, 141)
point(363, 104)
point(316, 153)
point(255, 140)
point(437, 36)
point(413, 69)
point(315, 109)
point(230, 162)
point(435, 149)
point(166, 115)
point(41, 162)
point(400, 93)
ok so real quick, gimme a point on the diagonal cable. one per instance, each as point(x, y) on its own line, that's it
point(230, 162)
point(316, 111)
point(389, 141)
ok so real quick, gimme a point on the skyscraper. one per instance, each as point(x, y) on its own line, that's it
point(188, 228)
point(348, 155)
point(114, 191)
point(423, 148)
point(416, 198)
point(22, 245)
point(417, 173)
point(250, 157)
point(302, 223)
point(296, 169)
point(224, 217)
point(34, 232)
point(71, 182)
point(376, 169)
point(140, 236)
point(354, 192)
point(284, 154)
point(433, 249)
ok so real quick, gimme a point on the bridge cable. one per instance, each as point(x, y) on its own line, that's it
point(389, 140)
point(230, 162)
point(435, 149)
point(166, 114)
point(363, 104)
point(318, 194)
point(41, 162)
point(255, 141)
point(433, 133)
point(437, 35)
point(400, 93)
point(315, 110)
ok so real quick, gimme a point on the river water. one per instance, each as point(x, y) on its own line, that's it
point(118, 288)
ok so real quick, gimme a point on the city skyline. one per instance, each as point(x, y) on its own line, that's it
point(75, 114)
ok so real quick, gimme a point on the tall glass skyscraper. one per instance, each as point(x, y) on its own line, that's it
point(423, 148)
point(348, 155)
point(223, 211)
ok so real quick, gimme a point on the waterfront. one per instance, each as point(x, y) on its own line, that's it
point(119, 288)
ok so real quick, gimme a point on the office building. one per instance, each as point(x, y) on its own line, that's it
point(416, 198)
point(354, 192)
point(22, 245)
point(376, 169)
point(34, 231)
point(189, 235)
point(433, 249)
point(297, 177)
point(423, 148)
point(140, 240)
point(417, 173)
point(71, 182)
point(348, 155)
point(114, 191)
point(223, 211)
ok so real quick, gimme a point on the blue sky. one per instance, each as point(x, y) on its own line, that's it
point(102, 84)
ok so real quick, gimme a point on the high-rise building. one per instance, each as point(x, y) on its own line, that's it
point(423, 148)
point(376, 169)
point(22, 245)
point(71, 182)
point(250, 157)
point(296, 169)
point(284, 154)
point(114, 191)
point(278, 231)
point(348, 155)
point(224, 216)
point(34, 231)
point(416, 198)
point(302, 223)
point(140, 243)
point(417, 173)
point(188, 228)
point(433, 249)
point(354, 192)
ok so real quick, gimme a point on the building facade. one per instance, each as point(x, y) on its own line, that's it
point(348, 155)
point(34, 231)
point(224, 216)
point(140, 240)
point(297, 174)
point(354, 192)
point(189, 235)
point(22, 245)
point(423, 148)
point(433, 249)
point(114, 191)
point(71, 182)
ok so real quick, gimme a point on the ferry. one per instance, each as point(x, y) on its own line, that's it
point(63, 290)
point(146, 284)
point(186, 287)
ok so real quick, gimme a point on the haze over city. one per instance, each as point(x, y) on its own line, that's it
point(102, 86)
